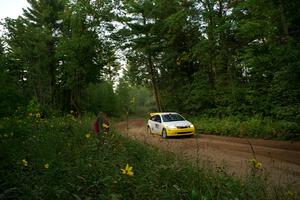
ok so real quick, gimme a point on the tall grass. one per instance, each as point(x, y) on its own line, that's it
point(60, 159)
point(256, 126)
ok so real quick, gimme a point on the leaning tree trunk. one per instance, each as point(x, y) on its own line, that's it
point(151, 70)
point(154, 84)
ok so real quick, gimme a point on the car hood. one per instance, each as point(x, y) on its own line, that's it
point(178, 123)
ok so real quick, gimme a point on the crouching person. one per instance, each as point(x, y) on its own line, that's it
point(101, 125)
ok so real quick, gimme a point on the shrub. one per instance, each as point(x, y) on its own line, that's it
point(256, 127)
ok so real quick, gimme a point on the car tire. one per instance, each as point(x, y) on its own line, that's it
point(164, 134)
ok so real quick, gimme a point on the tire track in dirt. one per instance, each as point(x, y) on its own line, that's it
point(280, 159)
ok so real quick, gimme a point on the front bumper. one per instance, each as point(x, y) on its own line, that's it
point(181, 132)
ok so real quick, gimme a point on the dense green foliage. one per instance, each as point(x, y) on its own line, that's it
point(219, 58)
point(59, 158)
point(232, 65)
point(251, 127)
point(54, 51)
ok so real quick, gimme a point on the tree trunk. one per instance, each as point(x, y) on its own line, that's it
point(152, 73)
point(154, 84)
point(211, 39)
point(52, 69)
point(283, 21)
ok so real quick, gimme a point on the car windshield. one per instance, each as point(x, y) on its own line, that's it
point(172, 117)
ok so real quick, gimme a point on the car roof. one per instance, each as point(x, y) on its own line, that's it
point(162, 113)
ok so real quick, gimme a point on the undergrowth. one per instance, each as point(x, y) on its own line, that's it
point(254, 127)
point(60, 158)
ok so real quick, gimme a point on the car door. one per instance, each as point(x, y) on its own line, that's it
point(151, 123)
point(157, 124)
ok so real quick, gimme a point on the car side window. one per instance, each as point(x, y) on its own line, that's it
point(153, 118)
point(157, 118)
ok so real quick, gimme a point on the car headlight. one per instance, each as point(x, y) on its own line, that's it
point(191, 126)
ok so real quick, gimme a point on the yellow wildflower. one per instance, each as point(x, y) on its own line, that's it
point(46, 166)
point(255, 164)
point(105, 125)
point(25, 163)
point(290, 193)
point(128, 170)
point(258, 165)
point(252, 161)
point(88, 135)
point(38, 115)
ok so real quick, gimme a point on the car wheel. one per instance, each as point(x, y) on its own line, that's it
point(164, 134)
point(148, 130)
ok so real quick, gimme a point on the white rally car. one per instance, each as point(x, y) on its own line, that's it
point(169, 124)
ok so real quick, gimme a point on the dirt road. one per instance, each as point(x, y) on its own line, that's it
point(280, 159)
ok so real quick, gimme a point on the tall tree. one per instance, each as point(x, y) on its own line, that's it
point(43, 17)
point(78, 50)
point(139, 25)
point(10, 93)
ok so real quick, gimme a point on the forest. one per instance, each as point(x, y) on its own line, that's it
point(231, 67)
point(204, 58)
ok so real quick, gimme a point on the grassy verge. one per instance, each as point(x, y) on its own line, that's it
point(255, 127)
point(60, 159)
